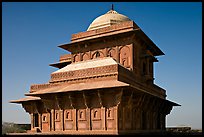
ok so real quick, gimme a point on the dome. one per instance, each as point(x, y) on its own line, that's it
point(108, 19)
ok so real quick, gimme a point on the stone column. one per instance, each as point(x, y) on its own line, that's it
point(131, 56)
point(49, 122)
point(103, 118)
point(106, 52)
point(32, 121)
point(40, 121)
point(80, 56)
point(88, 117)
point(117, 54)
point(62, 119)
point(52, 123)
point(115, 110)
point(147, 66)
point(74, 115)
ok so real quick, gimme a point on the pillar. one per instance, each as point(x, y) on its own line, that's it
point(40, 121)
point(32, 121)
point(62, 119)
point(74, 115)
point(115, 110)
point(52, 123)
point(103, 118)
point(88, 117)
point(147, 66)
point(117, 54)
point(131, 56)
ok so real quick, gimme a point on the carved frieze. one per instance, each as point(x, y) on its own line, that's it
point(85, 73)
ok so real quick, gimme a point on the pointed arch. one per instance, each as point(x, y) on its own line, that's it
point(112, 53)
point(97, 54)
point(125, 56)
point(85, 56)
point(76, 58)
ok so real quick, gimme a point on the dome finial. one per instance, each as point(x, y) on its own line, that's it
point(112, 7)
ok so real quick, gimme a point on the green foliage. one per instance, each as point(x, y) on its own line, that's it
point(12, 128)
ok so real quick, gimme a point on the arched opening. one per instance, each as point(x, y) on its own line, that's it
point(36, 120)
point(124, 56)
point(95, 114)
point(109, 113)
point(85, 57)
point(81, 115)
point(76, 58)
point(97, 54)
point(67, 115)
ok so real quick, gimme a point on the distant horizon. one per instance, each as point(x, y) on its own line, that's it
point(32, 31)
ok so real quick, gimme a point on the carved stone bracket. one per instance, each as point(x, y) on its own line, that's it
point(119, 97)
point(27, 107)
point(130, 99)
point(100, 99)
point(57, 102)
point(71, 101)
point(85, 99)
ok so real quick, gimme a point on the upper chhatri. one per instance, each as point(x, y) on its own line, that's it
point(108, 19)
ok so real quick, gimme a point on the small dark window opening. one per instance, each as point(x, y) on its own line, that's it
point(36, 120)
point(109, 55)
point(123, 62)
point(67, 116)
point(44, 118)
point(56, 116)
point(109, 113)
point(97, 54)
point(95, 114)
point(81, 113)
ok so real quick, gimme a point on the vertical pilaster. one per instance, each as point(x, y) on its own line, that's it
point(103, 118)
point(52, 120)
point(62, 119)
point(88, 117)
point(74, 115)
point(40, 121)
point(117, 54)
point(72, 58)
point(49, 121)
point(80, 56)
point(124, 116)
point(106, 52)
point(131, 56)
point(115, 109)
point(147, 67)
point(32, 121)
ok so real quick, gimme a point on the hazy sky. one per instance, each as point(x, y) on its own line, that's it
point(31, 33)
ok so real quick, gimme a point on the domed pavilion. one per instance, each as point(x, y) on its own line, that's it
point(105, 85)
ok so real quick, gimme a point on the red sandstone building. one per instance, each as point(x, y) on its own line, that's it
point(104, 86)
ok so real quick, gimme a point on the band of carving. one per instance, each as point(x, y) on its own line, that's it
point(99, 71)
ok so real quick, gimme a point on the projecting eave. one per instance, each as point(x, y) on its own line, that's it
point(60, 64)
point(80, 87)
point(70, 46)
point(151, 46)
point(139, 33)
point(26, 99)
point(172, 103)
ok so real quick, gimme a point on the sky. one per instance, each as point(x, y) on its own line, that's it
point(32, 31)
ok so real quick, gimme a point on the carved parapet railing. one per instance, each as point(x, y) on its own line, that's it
point(36, 87)
point(85, 73)
point(81, 35)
